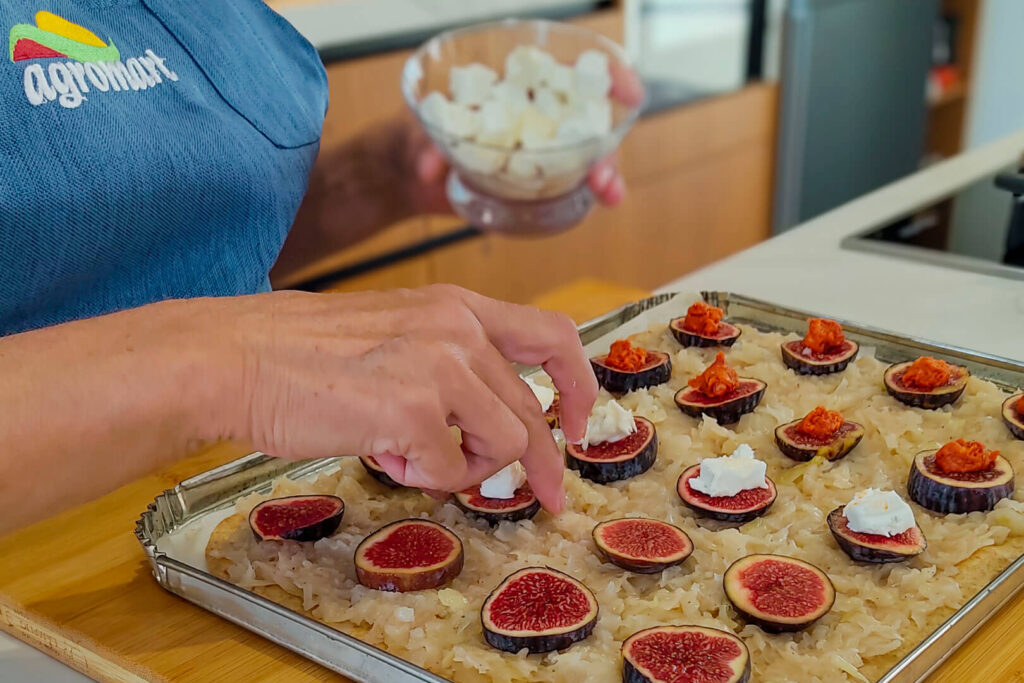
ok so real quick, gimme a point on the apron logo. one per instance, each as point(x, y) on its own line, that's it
point(92, 63)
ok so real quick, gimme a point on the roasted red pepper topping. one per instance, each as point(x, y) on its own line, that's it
point(823, 335)
point(624, 356)
point(964, 456)
point(821, 423)
point(702, 319)
point(927, 373)
point(718, 379)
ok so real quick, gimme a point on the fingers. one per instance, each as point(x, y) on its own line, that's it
point(627, 87)
point(606, 183)
point(529, 335)
point(430, 165)
point(540, 455)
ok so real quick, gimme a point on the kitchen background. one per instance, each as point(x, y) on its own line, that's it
point(761, 114)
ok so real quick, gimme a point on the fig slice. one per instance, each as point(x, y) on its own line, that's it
point(726, 409)
point(778, 593)
point(798, 357)
point(801, 447)
point(875, 548)
point(522, 505)
point(738, 509)
point(296, 518)
point(539, 609)
point(1013, 418)
point(726, 335)
point(644, 546)
point(684, 654)
point(656, 370)
point(616, 460)
point(958, 492)
point(919, 398)
point(374, 469)
point(409, 555)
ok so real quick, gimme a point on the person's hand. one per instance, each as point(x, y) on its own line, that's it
point(385, 374)
point(426, 187)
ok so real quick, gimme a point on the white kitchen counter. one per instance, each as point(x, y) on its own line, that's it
point(806, 269)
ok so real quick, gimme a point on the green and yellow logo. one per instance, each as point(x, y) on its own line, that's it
point(56, 37)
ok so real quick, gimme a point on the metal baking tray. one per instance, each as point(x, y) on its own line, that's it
point(221, 487)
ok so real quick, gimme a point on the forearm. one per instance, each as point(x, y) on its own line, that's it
point(90, 405)
point(357, 188)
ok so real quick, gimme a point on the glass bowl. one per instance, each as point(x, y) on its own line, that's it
point(481, 185)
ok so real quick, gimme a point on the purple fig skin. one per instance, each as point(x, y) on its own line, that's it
point(838, 448)
point(541, 642)
point(863, 553)
point(721, 514)
point(691, 339)
point(1013, 419)
point(605, 471)
point(311, 532)
point(495, 516)
point(637, 565)
point(796, 361)
point(726, 412)
point(765, 623)
point(375, 471)
point(929, 400)
point(952, 493)
point(631, 670)
point(620, 382)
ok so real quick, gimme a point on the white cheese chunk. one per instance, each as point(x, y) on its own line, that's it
point(535, 128)
point(471, 84)
point(527, 65)
point(479, 159)
point(503, 483)
point(593, 78)
point(499, 124)
point(882, 513)
point(608, 423)
point(730, 474)
point(560, 78)
point(545, 395)
point(549, 103)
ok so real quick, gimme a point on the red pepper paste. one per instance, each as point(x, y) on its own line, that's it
point(823, 335)
point(964, 456)
point(927, 373)
point(626, 357)
point(702, 318)
point(1020, 405)
point(821, 423)
point(717, 380)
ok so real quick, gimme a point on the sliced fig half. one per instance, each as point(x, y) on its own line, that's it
point(921, 398)
point(875, 548)
point(523, 505)
point(804, 361)
point(374, 469)
point(409, 555)
point(657, 369)
point(539, 609)
point(958, 492)
point(778, 593)
point(801, 447)
point(1012, 416)
point(738, 509)
point(296, 518)
point(615, 460)
point(684, 654)
point(726, 335)
point(726, 409)
point(644, 546)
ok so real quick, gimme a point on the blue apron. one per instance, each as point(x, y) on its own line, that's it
point(149, 149)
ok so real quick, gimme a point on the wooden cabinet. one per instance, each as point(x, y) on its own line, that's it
point(699, 178)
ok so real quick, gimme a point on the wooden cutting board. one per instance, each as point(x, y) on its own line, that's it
point(78, 586)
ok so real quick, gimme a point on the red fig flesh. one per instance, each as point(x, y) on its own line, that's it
point(778, 593)
point(1012, 415)
point(409, 555)
point(804, 361)
point(615, 460)
point(645, 546)
point(684, 654)
point(738, 509)
point(539, 609)
point(296, 518)
point(523, 505)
